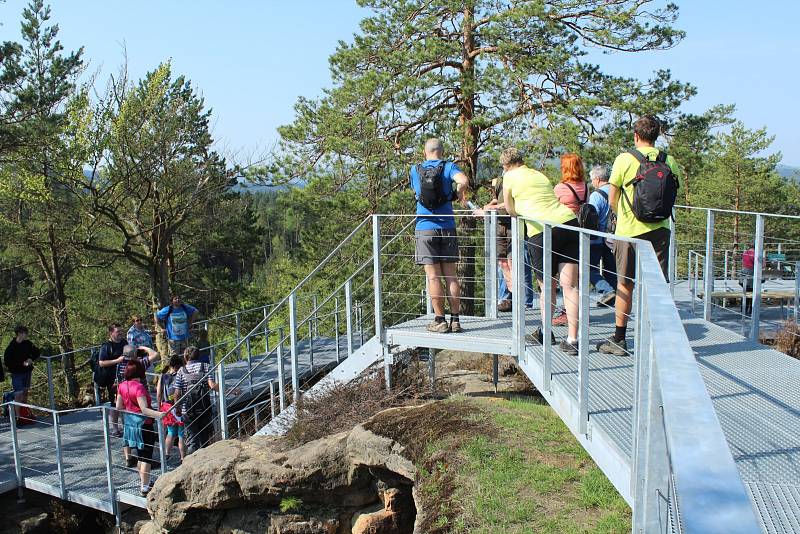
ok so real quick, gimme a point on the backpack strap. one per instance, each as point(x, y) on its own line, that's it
point(602, 194)
point(661, 157)
point(641, 158)
point(575, 194)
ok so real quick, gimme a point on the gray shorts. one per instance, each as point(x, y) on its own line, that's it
point(436, 246)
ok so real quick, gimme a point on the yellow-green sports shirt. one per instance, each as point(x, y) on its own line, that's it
point(534, 197)
point(624, 170)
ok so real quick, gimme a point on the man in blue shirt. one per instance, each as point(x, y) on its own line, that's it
point(436, 242)
point(599, 251)
point(177, 319)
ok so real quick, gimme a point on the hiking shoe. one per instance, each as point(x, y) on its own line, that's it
point(536, 337)
point(617, 348)
point(570, 349)
point(504, 306)
point(560, 318)
point(144, 490)
point(606, 300)
point(439, 328)
point(455, 327)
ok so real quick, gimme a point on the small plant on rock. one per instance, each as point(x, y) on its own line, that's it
point(290, 504)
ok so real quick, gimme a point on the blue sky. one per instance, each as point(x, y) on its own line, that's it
point(252, 59)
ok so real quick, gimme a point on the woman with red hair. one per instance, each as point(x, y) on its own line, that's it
point(572, 190)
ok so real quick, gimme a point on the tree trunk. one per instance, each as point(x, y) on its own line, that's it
point(60, 316)
point(469, 162)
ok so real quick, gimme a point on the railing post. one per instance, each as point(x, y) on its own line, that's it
point(50, 388)
point(293, 346)
point(281, 372)
point(249, 363)
point(490, 247)
point(336, 327)
point(312, 328)
point(212, 356)
point(238, 337)
point(162, 453)
point(348, 311)
point(672, 269)
point(109, 459)
point(272, 398)
point(757, 272)
point(583, 333)
point(12, 415)
point(640, 370)
point(547, 311)
point(360, 315)
point(518, 289)
point(655, 472)
point(223, 408)
point(266, 332)
point(796, 291)
point(725, 270)
point(59, 457)
point(378, 290)
point(708, 267)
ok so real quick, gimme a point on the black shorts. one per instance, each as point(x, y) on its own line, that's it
point(565, 248)
point(145, 454)
point(436, 246)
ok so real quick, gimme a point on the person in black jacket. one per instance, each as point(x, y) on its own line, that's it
point(19, 357)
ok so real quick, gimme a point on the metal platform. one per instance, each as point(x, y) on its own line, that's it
point(83, 454)
point(754, 390)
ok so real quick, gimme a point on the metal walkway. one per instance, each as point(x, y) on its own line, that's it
point(754, 390)
point(697, 428)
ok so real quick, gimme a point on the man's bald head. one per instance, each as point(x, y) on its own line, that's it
point(434, 148)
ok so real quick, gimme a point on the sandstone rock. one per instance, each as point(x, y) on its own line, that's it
point(38, 524)
point(297, 524)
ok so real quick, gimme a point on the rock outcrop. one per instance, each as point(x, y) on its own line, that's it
point(318, 488)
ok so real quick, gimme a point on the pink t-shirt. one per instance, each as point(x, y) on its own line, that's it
point(749, 259)
point(130, 390)
point(567, 197)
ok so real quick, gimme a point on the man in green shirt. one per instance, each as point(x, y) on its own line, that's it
point(645, 132)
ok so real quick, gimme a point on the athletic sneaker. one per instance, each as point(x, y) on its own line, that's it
point(439, 328)
point(144, 490)
point(504, 306)
point(606, 300)
point(570, 349)
point(536, 337)
point(560, 318)
point(455, 327)
point(617, 348)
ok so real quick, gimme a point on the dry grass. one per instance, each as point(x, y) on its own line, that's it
point(788, 339)
point(343, 406)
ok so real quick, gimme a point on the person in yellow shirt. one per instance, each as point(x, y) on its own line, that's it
point(528, 193)
point(621, 192)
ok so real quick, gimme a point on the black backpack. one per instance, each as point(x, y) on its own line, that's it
point(431, 194)
point(587, 215)
point(197, 402)
point(102, 376)
point(655, 189)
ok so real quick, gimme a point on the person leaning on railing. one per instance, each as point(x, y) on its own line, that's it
point(139, 434)
point(528, 193)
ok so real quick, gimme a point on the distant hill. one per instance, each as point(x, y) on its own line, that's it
point(787, 171)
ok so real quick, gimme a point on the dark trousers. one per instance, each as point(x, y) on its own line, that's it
point(601, 253)
point(197, 433)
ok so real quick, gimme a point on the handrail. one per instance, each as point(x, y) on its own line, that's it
point(738, 212)
point(700, 459)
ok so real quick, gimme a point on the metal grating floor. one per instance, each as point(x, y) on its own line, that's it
point(753, 387)
point(83, 445)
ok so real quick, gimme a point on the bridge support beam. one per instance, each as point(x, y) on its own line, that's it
point(281, 373)
point(672, 269)
point(293, 345)
point(547, 310)
point(708, 268)
point(758, 267)
point(584, 266)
